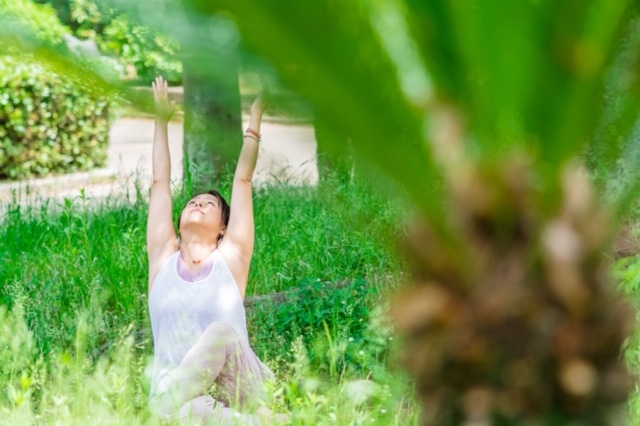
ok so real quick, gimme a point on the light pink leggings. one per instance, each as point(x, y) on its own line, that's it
point(222, 358)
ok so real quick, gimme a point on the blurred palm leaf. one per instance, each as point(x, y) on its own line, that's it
point(525, 73)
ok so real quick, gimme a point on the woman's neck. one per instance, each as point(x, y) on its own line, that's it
point(195, 253)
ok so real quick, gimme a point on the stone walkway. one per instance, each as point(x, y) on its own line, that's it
point(287, 154)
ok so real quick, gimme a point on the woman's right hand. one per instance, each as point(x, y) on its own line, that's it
point(164, 108)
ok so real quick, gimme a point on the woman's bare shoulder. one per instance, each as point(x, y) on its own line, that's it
point(237, 262)
point(157, 262)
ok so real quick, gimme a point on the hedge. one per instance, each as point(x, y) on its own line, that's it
point(47, 123)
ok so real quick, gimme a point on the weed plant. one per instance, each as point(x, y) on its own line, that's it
point(73, 295)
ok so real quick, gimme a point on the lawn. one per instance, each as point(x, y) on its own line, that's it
point(76, 343)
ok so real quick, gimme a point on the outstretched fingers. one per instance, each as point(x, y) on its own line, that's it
point(164, 108)
point(160, 88)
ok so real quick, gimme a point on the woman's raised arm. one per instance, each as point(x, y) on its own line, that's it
point(161, 235)
point(240, 231)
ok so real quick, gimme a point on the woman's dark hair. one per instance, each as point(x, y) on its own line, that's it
point(226, 210)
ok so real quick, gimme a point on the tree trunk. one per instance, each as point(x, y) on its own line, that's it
point(212, 118)
point(333, 151)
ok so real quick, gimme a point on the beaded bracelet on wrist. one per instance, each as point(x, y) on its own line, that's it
point(254, 133)
point(249, 135)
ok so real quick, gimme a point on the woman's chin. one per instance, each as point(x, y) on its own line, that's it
point(198, 226)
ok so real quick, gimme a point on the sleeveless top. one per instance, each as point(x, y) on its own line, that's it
point(181, 311)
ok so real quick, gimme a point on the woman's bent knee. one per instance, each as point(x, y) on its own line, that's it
point(221, 333)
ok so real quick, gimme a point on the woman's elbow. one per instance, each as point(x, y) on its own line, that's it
point(243, 179)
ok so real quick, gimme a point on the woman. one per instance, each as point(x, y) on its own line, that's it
point(197, 282)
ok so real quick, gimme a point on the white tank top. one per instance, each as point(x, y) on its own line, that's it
point(181, 311)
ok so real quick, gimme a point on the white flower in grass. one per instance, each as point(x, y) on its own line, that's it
point(360, 391)
point(351, 339)
point(361, 353)
point(383, 411)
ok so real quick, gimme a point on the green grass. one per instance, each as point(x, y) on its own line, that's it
point(74, 278)
point(627, 273)
point(75, 344)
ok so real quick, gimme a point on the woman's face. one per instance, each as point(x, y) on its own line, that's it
point(203, 211)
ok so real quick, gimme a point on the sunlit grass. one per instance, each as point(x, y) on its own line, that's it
point(75, 347)
point(78, 344)
point(72, 389)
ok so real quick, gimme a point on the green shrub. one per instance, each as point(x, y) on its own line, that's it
point(149, 52)
point(134, 45)
point(41, 20)
point(140, 52)
point(48, 124)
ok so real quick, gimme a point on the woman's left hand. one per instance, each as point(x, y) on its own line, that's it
point(261, 103)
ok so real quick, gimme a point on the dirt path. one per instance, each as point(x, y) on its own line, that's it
point(287, 152)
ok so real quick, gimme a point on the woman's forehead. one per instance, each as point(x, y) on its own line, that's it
point(205, 196)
